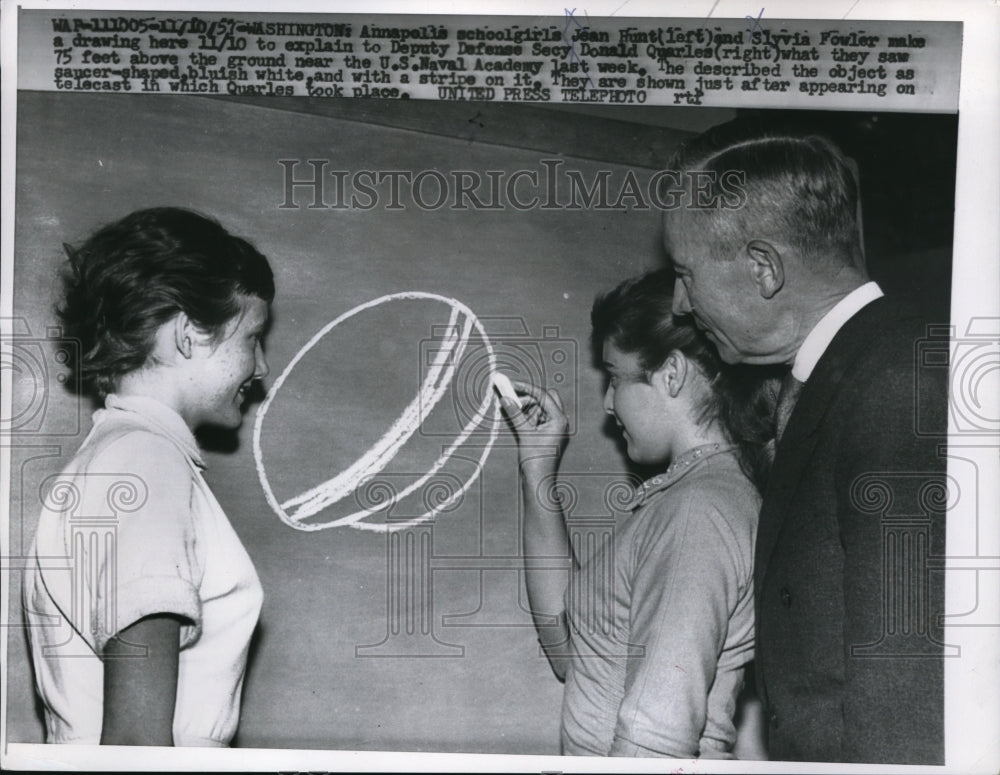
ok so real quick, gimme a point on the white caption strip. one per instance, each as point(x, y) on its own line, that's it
point(439, 378)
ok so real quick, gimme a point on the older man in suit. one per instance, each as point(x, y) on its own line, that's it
point(764, 235)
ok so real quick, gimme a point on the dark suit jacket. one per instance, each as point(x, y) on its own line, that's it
point(849, 655)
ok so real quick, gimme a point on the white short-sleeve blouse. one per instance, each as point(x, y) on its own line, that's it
point(127, 530)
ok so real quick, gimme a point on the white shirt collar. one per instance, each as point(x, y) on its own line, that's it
point(815, 344)
point(160, 416)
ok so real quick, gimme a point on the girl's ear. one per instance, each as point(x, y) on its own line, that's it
point(188, 337)
point(672, 375)
point(184, 335)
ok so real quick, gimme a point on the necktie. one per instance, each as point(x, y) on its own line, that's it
point(787, 396)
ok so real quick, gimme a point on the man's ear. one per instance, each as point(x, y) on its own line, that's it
point(767, 270)
point(672, 374)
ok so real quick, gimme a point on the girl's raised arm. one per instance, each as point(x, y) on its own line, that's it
point(540, 428)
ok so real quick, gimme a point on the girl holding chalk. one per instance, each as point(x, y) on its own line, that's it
point(654, 629)
point(139, 596)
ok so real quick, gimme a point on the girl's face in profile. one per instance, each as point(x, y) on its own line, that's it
point(228, 365)
point(641, 407)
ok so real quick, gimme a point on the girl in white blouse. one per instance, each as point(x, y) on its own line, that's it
point(140, 599)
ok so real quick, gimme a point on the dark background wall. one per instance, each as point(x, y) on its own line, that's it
point(334, 664)
point(476, 682)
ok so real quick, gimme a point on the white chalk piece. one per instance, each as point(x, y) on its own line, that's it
point(504, 387)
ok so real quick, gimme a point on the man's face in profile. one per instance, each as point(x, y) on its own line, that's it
point(713, 290)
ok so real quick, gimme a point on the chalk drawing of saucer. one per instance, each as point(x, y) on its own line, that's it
point(338, 442)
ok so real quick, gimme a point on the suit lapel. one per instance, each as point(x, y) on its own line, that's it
point(798, 442)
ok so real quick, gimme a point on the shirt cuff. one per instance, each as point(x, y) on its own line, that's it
point(145, 597)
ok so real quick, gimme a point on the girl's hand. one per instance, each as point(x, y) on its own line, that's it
point(540, 426)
